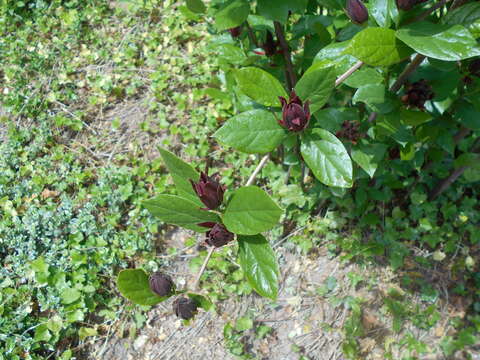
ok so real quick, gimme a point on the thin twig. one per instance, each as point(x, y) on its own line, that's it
point(291, 77)
point(445, 183)
point(259, 167)
point(417, 60)
point(204, 266)
point(425, 14)
point(349, 72)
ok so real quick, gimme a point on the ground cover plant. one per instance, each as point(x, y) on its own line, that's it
point(363, 122)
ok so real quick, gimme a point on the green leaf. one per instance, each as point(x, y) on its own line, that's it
point(251, 211)
point(41, 270)
point(259, 85)
point(70, 295)
point(196, 6)
point(232, 15)
point(443, 42)
point(333, 55)
point(467, 15)
point(316, 87)
point(377, 47)
point(173, 209)
point(468, 115)
point(381, 10)
point(42, 333)
point(254, 131)
point(413, 117)
point(328, 159)
point(181, 172)
point(259, 264)
point(243, 323)
point(370, 94)
point(133, 284)
point(369, 156)
point(277, 10)
point(364, 76)
point(467, 159)
point(202, 301)
point(85, 332)
point(230, 53)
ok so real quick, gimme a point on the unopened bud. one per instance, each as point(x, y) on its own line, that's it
point(185, 308)
point(161, 284)
point(295, 114)
point(208, 190)
point(356, 11)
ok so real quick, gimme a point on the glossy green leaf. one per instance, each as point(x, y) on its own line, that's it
point(277, 10)
point(196, 6)
point(468, 115)
point(443, 42)
point(467, 15)
point(231, 54)
point(328, 159)
point(133, 284)
point(369, 156)
point(377, 47)
point(259, 264)
point(364, 76)
point(316, 87)
point(259, 85)
point(413, 117)
point(333, 55)
point(176, 210)
point(232, 15)
point(251, 211)
point(254, 131)
point(381, 10)
point(370, 94)
point(181, 172)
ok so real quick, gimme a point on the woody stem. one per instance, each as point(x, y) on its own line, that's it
point(204, 266)
point(290, 72)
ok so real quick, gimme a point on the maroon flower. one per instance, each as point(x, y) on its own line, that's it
point(185, 308)
point(295, 114)
point(218, 235)
point(209, 190)
point(474, 67)
point(270, 45)
point(161, 284)
point(356, 11)
point(235, 32)
point(417, 93)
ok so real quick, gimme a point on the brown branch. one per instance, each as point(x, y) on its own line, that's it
point(349, 72)
point(425, 14)
point(259, 167)
point(290, 72)
point(456, 173)
point(417, 60)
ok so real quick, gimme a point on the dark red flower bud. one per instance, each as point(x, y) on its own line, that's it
point(218, 235)
point(350, 131)
point(417, 93)
point(356, 11)
point(474, 67)
point(408, 4)
point(185, 308)
point(295, 114)
point(270, 45)
point(236, 31)
point(161, 284)
point(209, 190)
